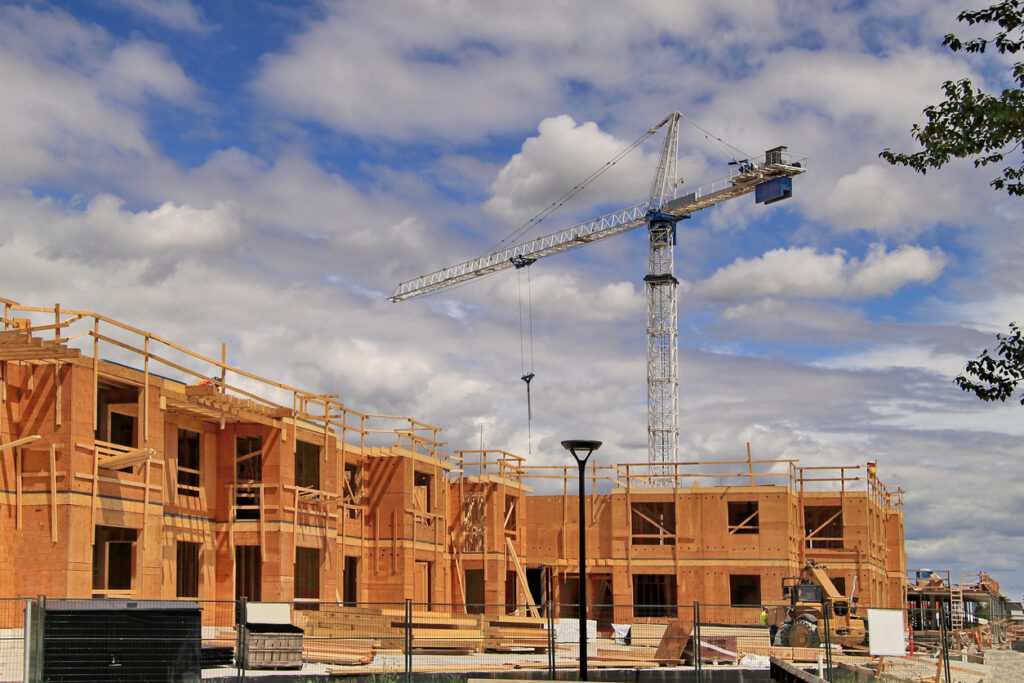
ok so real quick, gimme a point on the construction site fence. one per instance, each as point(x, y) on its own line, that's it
point(186, 640)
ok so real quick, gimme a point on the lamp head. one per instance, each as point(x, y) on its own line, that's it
point(581, 448)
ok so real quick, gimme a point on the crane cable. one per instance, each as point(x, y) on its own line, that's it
point(572, 192)
point(708, 135)
point(527, 376)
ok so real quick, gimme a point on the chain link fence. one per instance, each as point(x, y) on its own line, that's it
point(124, 640)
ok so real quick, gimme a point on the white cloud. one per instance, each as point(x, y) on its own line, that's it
point(72, 96)
point(106, 233)
point(180, 15)
point(560, 156)
point(140, 69)
point(803, 272)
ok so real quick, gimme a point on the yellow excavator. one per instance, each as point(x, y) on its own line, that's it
point(801, 623)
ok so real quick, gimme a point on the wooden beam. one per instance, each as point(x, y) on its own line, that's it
point(129, 459)
point(19, 442)
point(743, 524)
point(53, 493)
point(521, 575)
point(827, 522)
point(17, 484)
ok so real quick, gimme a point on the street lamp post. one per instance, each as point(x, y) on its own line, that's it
point(581, 451)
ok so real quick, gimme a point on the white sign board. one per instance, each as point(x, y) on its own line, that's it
point(268, 613)
point(886, 633)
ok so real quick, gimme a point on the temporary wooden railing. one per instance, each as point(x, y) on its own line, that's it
point(248, 490)
point(321, 409)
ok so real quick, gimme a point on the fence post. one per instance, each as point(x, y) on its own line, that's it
point(408, 640)
point(698, 666)
point(240, 637)
point(551, 638)
point(942, 638)
point(826, 613)
point(40, 627)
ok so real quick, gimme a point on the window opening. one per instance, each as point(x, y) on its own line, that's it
point(653, 523)
point(744, 589)
point(307, 574)
point(823, 526)
point(307, 465)
point(188, 463)
point(743, 517)
point(188, 570)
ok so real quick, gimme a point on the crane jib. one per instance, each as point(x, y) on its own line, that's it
point(745, 180)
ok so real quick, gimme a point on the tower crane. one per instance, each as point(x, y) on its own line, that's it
point(770, 181)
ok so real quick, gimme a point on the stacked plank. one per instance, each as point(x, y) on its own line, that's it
point(512, 634)
point(646, 635)
point(356, 626)
point(374, 627)
point(434, 632)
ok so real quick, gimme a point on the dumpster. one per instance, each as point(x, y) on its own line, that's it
point(269, 640)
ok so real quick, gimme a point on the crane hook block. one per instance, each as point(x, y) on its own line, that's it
point(522, 261)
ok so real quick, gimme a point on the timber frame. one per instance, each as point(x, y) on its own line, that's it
point(115, 468)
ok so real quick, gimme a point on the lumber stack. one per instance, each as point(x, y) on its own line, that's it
point(433, 631)
point(507, 633)
point(646, 635)
point(358, 626)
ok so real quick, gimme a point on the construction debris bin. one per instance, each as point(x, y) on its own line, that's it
point(272, 646)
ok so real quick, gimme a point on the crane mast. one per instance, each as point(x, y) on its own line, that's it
point(770, 180)
point(662, 309)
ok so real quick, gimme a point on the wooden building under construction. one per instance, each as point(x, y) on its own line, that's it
point(134, 467)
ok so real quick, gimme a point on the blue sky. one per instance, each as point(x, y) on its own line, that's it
point(265, 173)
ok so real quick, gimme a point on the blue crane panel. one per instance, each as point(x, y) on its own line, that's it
point(774, 190)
